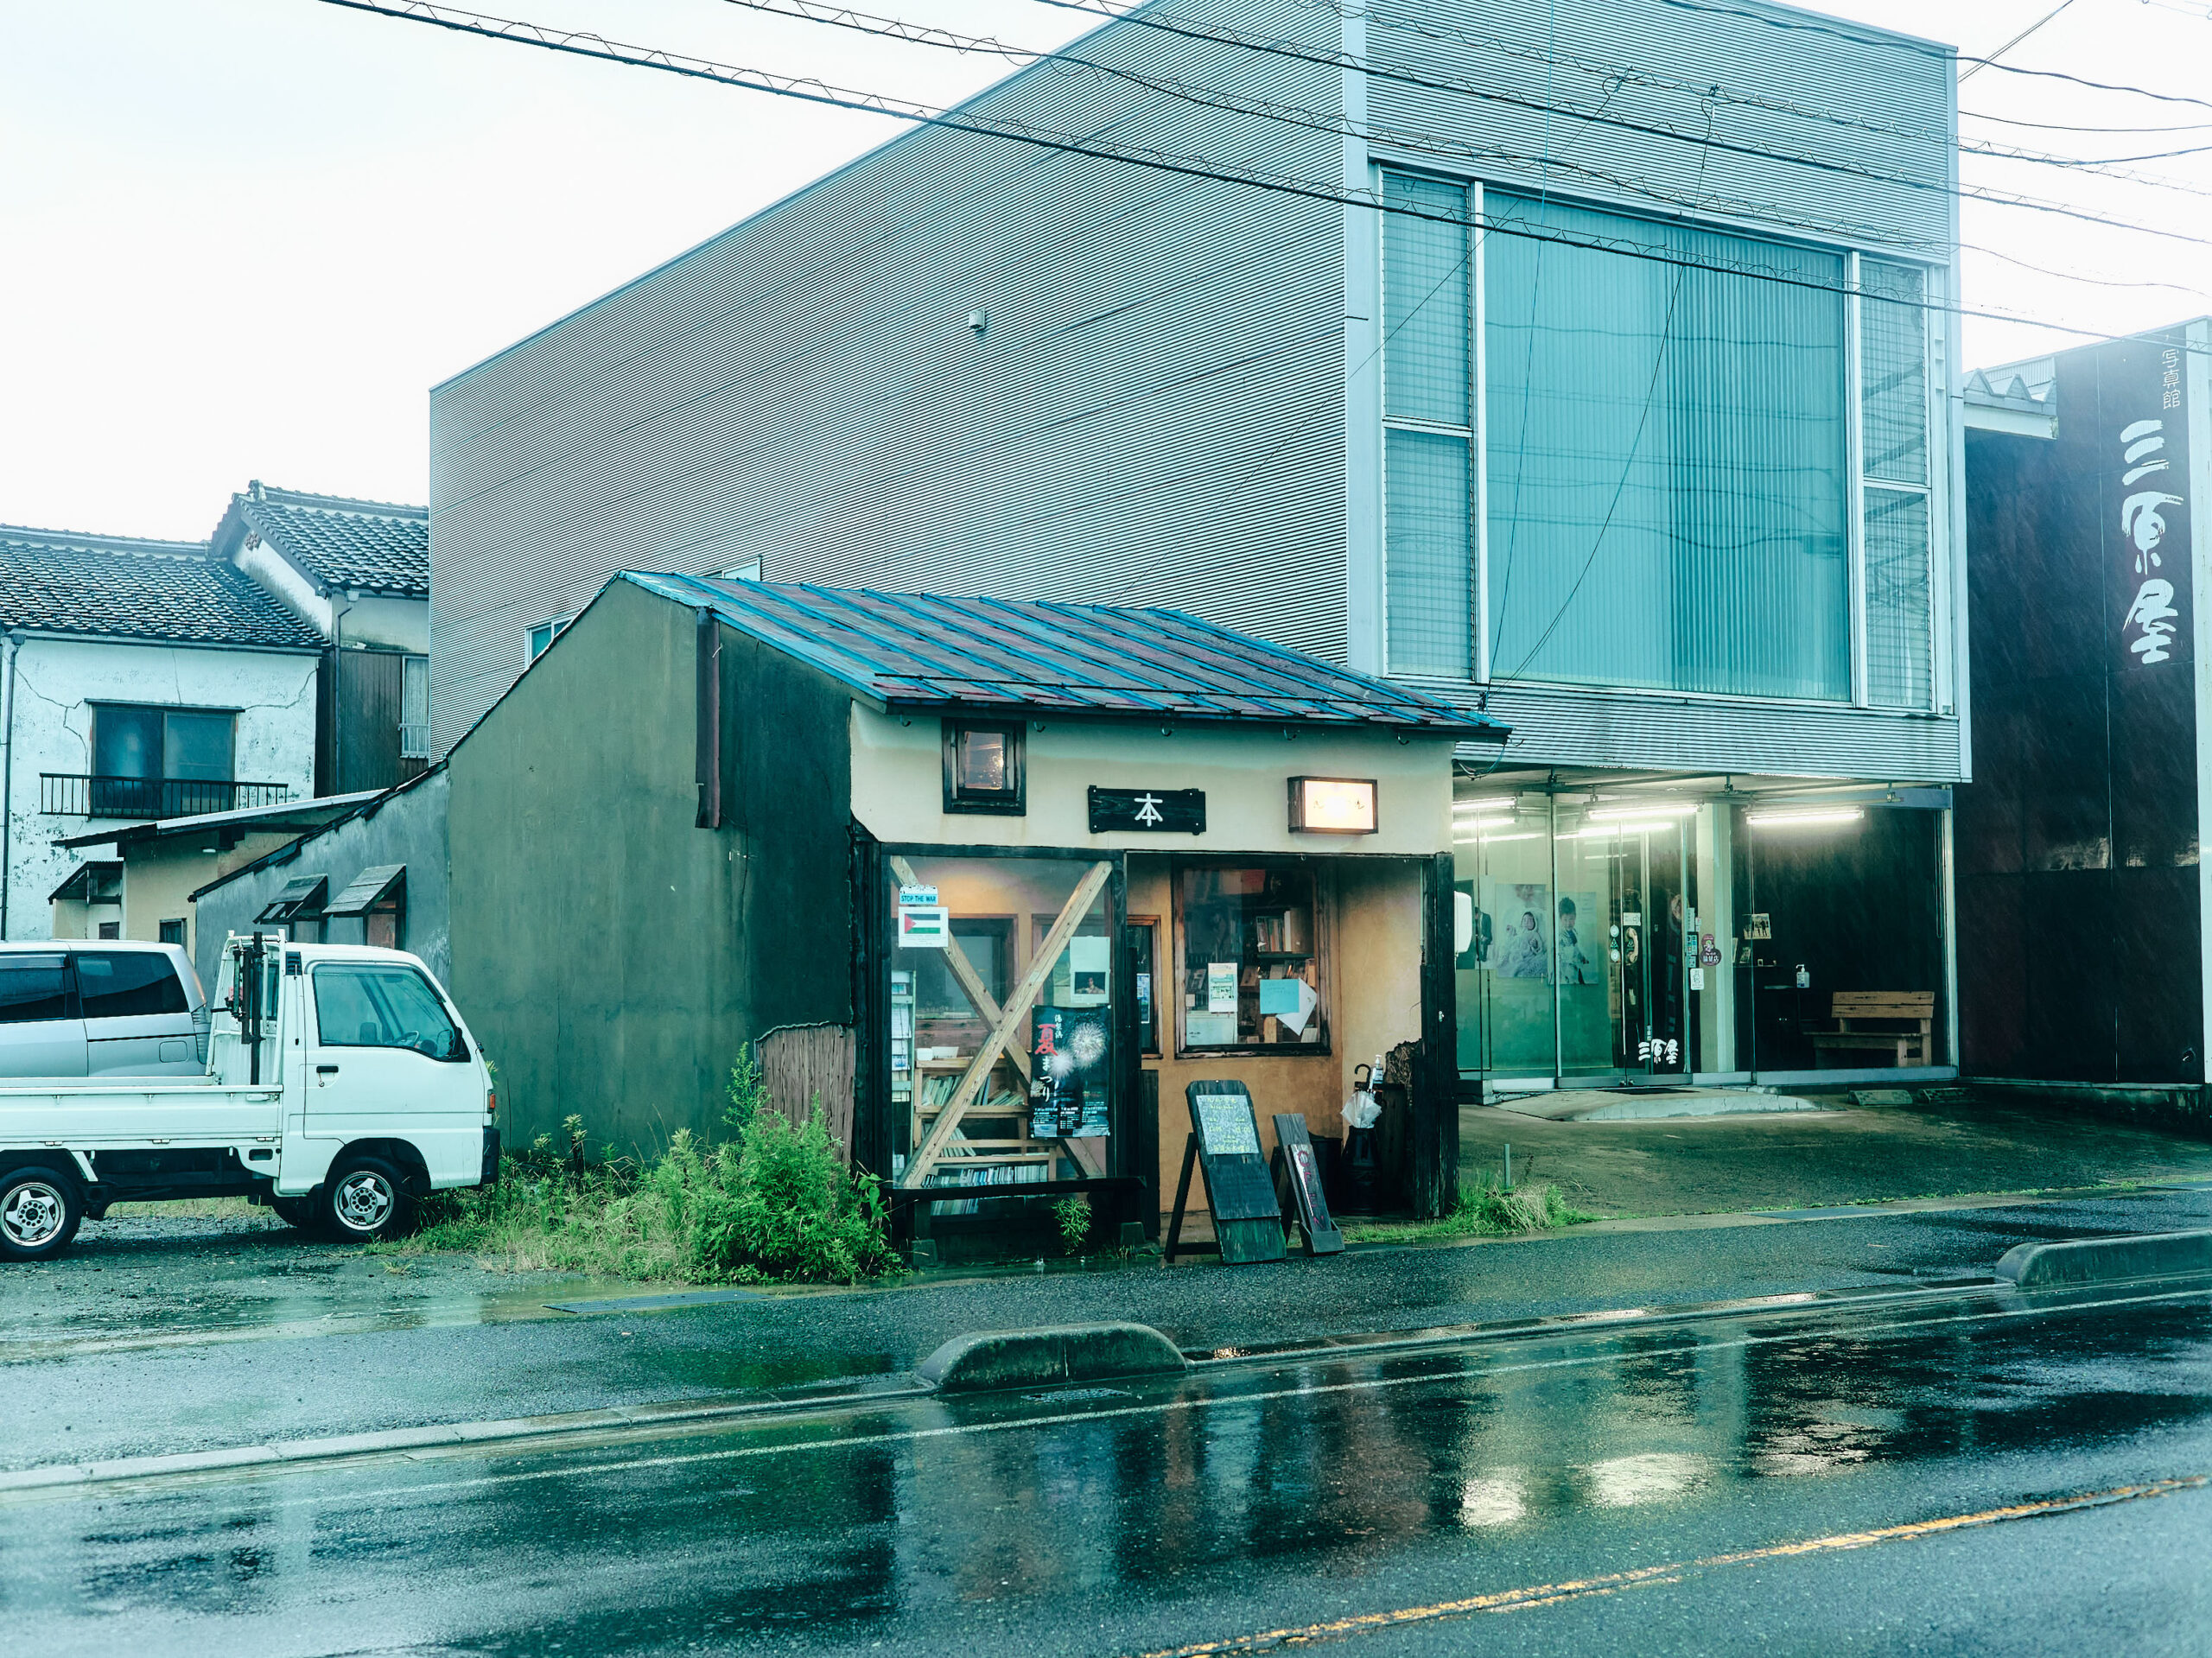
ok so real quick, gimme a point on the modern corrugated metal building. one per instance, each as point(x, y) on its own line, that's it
point(1590, 366)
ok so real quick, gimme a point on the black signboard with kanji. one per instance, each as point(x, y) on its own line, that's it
point(1147, 811)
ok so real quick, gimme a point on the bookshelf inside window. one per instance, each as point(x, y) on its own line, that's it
point(1250, 974)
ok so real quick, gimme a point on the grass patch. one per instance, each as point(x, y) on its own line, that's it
point(1483, 1211)
point(209, 1209)
point(771, 1202)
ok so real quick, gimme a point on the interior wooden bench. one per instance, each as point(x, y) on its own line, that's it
point(1853, 1010)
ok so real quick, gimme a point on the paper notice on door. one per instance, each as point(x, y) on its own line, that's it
point(1221, 987)
point(1299, 1017)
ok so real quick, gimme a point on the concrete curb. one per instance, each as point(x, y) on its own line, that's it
point(1024, 1359)
point(2107, 1261)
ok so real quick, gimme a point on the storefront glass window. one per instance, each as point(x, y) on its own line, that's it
point(1571, 917)
point(1014, 948)
point(1503, 926)
point(1251, 965)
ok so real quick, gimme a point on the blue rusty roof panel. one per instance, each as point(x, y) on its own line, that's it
point(926, 651)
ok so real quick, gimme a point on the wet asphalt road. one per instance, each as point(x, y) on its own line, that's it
point(1692, 1487)
point(456, 1356)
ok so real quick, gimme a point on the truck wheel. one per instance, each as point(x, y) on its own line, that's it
point(39, 1212)
point(296, 1211)
point(366, 1198)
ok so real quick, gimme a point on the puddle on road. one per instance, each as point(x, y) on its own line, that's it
point(936, 1509)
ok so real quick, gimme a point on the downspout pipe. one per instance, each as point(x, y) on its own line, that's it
point(15, 647)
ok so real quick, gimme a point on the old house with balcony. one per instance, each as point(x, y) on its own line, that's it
point(358, 572)
point(140, 681)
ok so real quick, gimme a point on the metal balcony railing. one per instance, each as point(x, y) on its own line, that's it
point(414, 742)
point(67, 795)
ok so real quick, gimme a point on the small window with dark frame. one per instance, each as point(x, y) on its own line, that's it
point(983, 767)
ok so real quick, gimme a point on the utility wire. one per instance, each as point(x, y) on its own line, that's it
point(968, 119)
point(1813, 27)
point(1967, 74)
point(846, 17)
point(1341, 60)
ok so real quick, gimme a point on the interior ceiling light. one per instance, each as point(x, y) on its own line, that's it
point(1803, 817)
point(1657, 809)
point(1482, 805)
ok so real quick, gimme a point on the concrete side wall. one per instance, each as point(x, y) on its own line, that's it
point(612, 957)
point(56, 682)
point(406, 829)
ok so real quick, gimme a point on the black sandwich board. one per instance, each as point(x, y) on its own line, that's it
point(1225, 1144)
point(1294, 1167)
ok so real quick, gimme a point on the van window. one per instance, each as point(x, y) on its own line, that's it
point(379, 1007)
point(119, 985)
point(31, 990)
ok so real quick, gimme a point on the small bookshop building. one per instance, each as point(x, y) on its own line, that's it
point(1064, 861)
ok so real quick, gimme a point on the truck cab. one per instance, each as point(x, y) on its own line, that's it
point(341, 1087)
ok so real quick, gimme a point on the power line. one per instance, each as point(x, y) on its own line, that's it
point(1968, 74)
point(1341, 60)
point(965, 118)
point(1813, 27)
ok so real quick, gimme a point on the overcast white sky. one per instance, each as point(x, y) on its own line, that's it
point(241, 238)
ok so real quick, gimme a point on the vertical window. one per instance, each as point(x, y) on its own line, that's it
point(1893, 412)
point(1666, 448)
point(983, 768)
point(1251, 972)
point(1427, 440)
point(415, 708)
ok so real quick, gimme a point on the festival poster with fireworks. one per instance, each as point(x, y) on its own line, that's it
point(1068, 1073)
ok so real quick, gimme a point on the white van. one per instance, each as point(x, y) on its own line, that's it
point(109, 1007)
point(340, 1088)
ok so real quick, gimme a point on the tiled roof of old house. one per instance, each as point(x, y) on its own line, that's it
point(376, 546)
point(115, 587)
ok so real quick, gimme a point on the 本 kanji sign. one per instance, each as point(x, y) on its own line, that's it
point(1147, 811)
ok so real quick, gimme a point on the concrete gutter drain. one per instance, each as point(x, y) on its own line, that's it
point(1024, 1359)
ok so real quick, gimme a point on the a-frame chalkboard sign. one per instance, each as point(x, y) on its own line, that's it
point(1224, 1143)
point(1296, 1172)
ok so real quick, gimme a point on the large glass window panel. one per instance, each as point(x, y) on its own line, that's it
point(1666, 453)
point(1426, 287)
point(197, 746)
point(1502, 935)
point(1893, 373)
point(1428, 554)
point(1898, 632)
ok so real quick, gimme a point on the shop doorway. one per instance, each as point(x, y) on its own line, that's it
point(1619, 975)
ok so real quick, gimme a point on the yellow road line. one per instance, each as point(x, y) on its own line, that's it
point(1552, 1594)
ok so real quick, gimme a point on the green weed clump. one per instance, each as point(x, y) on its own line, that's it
point(768, 1202)
point(1487, 1211)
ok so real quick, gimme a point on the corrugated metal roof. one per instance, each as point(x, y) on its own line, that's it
point(926, 651)
point(117, 587)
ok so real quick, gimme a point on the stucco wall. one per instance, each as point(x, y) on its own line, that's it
point(57, 680)
point(407, 828)
point(899, 790)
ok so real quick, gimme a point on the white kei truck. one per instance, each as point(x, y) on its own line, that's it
point(341, 1087)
